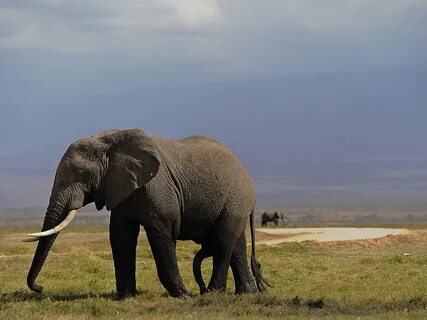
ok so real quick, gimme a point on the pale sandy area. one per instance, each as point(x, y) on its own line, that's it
point(328, 234)
point(273, 236)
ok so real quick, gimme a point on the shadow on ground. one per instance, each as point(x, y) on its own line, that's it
point(25, 295)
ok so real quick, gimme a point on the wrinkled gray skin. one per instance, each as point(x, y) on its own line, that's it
point(270, 217)
point(189, 189)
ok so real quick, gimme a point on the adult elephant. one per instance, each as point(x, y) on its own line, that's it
point(269, 217)
point(189, 189)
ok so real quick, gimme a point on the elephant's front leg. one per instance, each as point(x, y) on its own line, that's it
point(123, 239)
point(164, 252)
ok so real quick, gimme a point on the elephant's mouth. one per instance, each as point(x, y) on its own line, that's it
point(37, 236)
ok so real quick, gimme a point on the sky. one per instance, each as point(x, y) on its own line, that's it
point(324, 102)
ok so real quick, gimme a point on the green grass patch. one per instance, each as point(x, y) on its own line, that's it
point(342, 282)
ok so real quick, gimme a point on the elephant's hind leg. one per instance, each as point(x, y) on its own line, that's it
point(244, 283)
point(123, 240)
point(163, 248)
point(223, 241)
point(221, 261)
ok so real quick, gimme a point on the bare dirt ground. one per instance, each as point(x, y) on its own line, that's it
point(280, 235)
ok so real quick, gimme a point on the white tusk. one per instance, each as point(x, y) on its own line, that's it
point(56, 229)
point(30, 239)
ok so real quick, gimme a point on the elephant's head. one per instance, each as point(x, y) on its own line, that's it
point(105, 169)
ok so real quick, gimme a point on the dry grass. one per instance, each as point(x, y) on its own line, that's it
point(353, 280)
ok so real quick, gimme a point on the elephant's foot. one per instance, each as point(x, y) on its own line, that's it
point(178, 291)
point(184, 296)
point(123, 294)
point(246, 287)
point(203, 290)
point(216, 289)
point(181, 294)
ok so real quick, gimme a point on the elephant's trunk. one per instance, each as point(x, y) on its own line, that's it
point(51, 220)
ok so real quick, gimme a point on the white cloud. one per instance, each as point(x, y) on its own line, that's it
point(81, 26)
point(193, 13)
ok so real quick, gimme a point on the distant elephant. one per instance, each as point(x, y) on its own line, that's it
point(268, 217)
point(189, 189)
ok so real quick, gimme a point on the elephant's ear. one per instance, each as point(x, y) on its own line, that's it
point(132, 162)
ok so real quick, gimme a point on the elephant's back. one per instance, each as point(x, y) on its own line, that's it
point(199, 138)
point(198, 156)
point(198, 151)
point(210, 156)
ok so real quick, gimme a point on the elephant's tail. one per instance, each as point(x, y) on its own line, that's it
point(255, 265)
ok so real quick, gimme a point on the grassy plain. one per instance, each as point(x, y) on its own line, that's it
point(384, 279)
